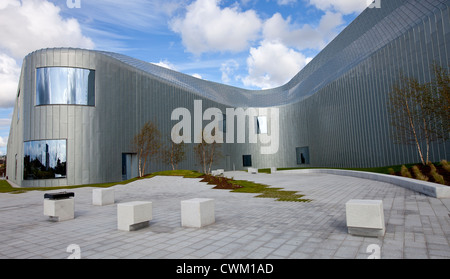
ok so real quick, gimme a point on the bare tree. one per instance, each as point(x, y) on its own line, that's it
point(147, 145)
point(419, 112)
point(206, 154)
point(173, 154)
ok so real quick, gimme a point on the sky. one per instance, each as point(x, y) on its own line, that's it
point(253, 44)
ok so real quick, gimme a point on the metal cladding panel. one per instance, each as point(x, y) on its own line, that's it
point(336, 106)
point(56, 121)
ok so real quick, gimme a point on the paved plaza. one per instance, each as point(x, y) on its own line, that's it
point(246, 227)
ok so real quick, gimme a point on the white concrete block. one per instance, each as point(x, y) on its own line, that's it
point(197, 213)
point(273, 170)
point(61, 210)
point(103, 196)
point(252, 170)
point(218, 172)
point(365, 217)
point(134, 215)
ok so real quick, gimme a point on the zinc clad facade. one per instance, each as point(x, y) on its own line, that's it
point(333, 113)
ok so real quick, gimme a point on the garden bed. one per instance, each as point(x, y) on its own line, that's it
point(242, 186)
point(425, 170)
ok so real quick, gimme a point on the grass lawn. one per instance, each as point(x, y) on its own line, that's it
point(268, 192)
point(243, 186)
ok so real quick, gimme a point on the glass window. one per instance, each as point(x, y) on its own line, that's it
point(18, 106)
point(247, 160)
point(65, 86)
point(261, 125)
point(223, 124)
point(45, 159)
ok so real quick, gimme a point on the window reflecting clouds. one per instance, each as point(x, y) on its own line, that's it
point(65, 86)
point(45, 159)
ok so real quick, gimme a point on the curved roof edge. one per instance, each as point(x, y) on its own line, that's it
point(369, 32)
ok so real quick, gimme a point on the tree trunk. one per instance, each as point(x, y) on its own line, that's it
point(411, 123)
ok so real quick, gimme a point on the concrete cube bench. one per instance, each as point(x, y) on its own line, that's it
point(252, 170)
point(59, 206)
point(218, 172)
point(132, 216)
point(365, 218)
point(273, 170)
point(103, 196)
point(197, 213)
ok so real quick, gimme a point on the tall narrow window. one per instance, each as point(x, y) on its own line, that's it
point(261, 125)
point(65, 86)
point(45, 159)
point(247, 160)
point(15, 170)
point(223, 124)
point(18, 106)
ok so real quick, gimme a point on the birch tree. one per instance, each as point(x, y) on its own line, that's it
point(419, 112)
point(147, 145)
point(207, 153)
point(173, 154)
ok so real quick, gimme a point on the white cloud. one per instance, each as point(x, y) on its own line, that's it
point(166, 64)
point(206, 27)
point(26, 26)
point(286, 2)
point(197, 76)
point(3, 142)
point(341, 6)
point(33, 24)
point(305, 37)
point(228, 69)
point(9, 80)
point(279, 57)
point(273, 64)
point(135, 14)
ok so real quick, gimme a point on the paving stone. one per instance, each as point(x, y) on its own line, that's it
point(417, 226)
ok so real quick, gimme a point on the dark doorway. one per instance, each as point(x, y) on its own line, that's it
point(302, 155)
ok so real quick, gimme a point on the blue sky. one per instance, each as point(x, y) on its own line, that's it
point(252, 44)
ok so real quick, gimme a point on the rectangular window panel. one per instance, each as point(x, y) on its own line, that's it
point(223, 124)
point(247, 160)
point(45, 159)
point(261, 125)
point(65, 86)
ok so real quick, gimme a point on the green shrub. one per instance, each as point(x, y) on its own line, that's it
point(405, 172)
point(418, 174)
point(391, 171)
point(437, 177)
point(445, 165)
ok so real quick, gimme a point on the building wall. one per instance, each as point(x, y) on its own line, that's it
point(339, 115)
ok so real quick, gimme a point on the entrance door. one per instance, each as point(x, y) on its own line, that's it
point(302, 155)
point(129, 166)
